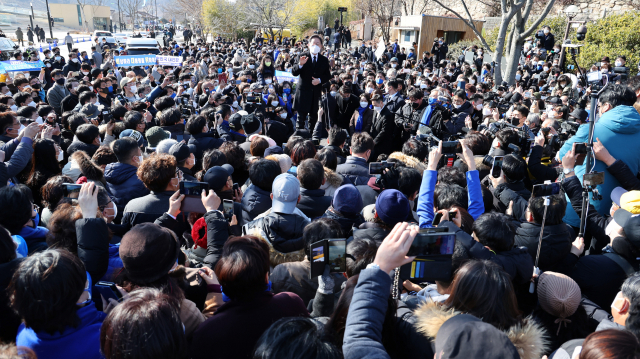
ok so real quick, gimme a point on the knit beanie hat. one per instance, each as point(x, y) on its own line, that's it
point(392, 207)
point(559, 296)
point(148, 252)
point(347, 200)
point(251, 124)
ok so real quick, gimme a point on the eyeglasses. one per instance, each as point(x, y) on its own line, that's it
point(36, 207)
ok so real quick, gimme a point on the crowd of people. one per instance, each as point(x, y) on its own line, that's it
point(170, 212)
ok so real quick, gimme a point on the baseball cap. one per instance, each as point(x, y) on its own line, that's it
point(286, 190)
point(126, 80)
point(579, 114)
point(219, 96)
point(156, 134)
point(251, 124)
point(235, 122)
point(133, 133)
point(554, 100)
point(394, 59)
point(217, 176)
point(181, 151)
point(273, 150)
point(616, 194)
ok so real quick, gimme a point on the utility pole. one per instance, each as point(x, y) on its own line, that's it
point(49, 19)
point(119, 17)
point(32, 17)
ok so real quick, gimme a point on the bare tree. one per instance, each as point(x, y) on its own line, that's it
point(272, 16)
point(130, 8)
point(223, 17)
point(95, 4)
point(382, 12)
point(82, 4)
point(414, 7)
point(514, 15)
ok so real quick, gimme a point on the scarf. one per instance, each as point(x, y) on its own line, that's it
point(426, 116)
point(360, 120)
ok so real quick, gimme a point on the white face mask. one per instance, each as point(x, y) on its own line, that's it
point(268, 81)
point(235, 104)
point(472, 81)
point(369, 89)
point(74, 60)
point(423, 86)
point(32, 104)
point(275, 103)
point(546, 31)
point(252, 66)
point(60, 156)
point(618, 63)
point(546, 68)
point(133, 88)
point(39, 120)
point(283, 115)
point(377, 109)
point(140, 159)
point(333, 93)
point(85, 72)
point(363, 104)
point(14, 107)
point(315, 49)
point(90, 88)
point(394, 65)
point(22, 127)
point(486, 111)
point(479, 107)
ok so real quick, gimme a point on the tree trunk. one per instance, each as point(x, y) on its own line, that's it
point(513, 56)
point(497, 55)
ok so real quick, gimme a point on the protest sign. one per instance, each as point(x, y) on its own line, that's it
point(15, 65)
point(169, 60)
point(286, 76)
point(135, 60)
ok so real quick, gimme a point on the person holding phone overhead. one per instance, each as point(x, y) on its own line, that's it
point(314, 72)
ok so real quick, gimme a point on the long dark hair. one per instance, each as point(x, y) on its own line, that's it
point(44, 165)
point(338, 320)
point(484, 290)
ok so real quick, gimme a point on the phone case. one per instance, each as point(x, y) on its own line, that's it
point(192, 204)
point(431, 268)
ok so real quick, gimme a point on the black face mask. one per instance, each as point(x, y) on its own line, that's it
point(60, 81)
point(415, 105)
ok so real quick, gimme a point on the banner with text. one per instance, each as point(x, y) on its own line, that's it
point(286, 76)
point(169, 60)
point(135, 60)
point(15, 65)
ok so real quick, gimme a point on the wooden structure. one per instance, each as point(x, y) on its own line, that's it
point(423, 29)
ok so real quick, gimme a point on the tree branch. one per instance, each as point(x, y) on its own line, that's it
point(467, 22)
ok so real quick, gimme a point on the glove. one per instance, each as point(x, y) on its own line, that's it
point(326, 282)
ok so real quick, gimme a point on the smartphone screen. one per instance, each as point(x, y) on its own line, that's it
point(451, 147)
point(317, 251)
point(425, 244)
point(437, 219)
point(71, 190)
point(235, 187)
point(108, 290)
point(193, 188)
point(337, 255)
point(496, 168)
point(375, 168)
point(581, 148)
point(227, 205)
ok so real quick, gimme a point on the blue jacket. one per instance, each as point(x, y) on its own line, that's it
point(123, 184)
point(255, 201)
point(363, 331)
point(619, 131)
point(428, 186)
point(204, 142)
point(81, 342)
point(355, 169)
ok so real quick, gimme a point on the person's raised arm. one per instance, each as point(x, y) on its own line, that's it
point(363, 330)
point(474, 190)
point(617, 168)
point(427, 187)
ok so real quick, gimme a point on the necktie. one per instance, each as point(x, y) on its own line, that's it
point(314, 60)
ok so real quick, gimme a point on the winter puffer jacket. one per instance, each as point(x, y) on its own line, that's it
point(255, 201)
point(282, 231)
point(123, 184)
point(556, 243)
point(332, 183)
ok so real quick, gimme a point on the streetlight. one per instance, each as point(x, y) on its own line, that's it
point(571, 12)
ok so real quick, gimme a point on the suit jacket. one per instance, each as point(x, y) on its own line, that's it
point(383, 130)
point(394, 103)
point(307, 95)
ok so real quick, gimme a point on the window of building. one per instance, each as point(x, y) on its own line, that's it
point(79, 15)
point(58, 19)
point(407, 36)
point(100, 23)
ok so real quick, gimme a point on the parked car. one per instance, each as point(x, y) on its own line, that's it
point(7, 49)
point(121, 38)
point(142, 46)
point(100, 34)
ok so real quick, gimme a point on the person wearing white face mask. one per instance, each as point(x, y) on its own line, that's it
point(362, 118)
point(382, 127)
point(546, 38)
point(314, 71)
point(130, 89)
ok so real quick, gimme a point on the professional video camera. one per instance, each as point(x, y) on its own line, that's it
point(186, 106)
point(596, 81)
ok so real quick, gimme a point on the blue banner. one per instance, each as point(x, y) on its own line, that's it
point(135, 60)
point(286, 76)
point(15, 65)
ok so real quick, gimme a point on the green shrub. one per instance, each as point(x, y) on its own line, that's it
point(456, 49)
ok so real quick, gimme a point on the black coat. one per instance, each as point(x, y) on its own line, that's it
point(355, 169)
point(313, 202)
point(339, 153)
point(394, 103)
point(556, 243)
point(93, 246)
point(346, 223)
point(255, 201)
point(217, 235)
point(382, 131)
point(307, 95)
point(345, 109)
point(204, 142)
point(283, 231)
point(151, 207)
point(368, 194)
point(10, 319)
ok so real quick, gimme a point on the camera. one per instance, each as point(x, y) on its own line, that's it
point(593, 179)
point(541, 190)
point(377, 168)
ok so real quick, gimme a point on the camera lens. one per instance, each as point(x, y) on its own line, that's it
point(488, 160)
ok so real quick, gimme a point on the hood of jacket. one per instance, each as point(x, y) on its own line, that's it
point(332, 178)
point(283, 232)
point(410, 161)
point(87, 167)
point(621, 119)
point(118, 173)
point(529, 338)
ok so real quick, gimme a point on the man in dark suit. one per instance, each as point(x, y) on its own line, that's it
point(383, 128)
point(347, 103)
point(314, 72)
point(393, 100)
